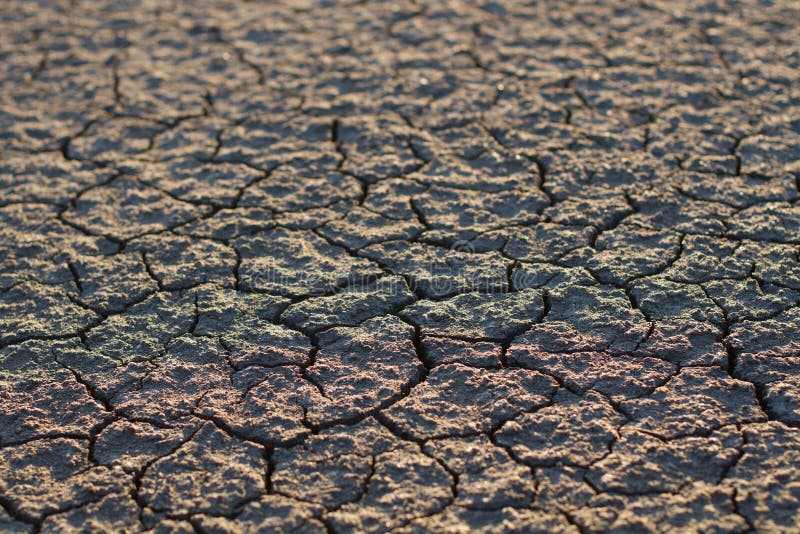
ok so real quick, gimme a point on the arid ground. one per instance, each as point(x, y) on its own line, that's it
point(407, 266)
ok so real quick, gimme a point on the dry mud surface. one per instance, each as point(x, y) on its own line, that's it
point(399, 266)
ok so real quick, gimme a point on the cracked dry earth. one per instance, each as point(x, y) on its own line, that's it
point(399, 266)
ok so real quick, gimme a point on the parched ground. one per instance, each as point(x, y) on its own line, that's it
point(400, 266)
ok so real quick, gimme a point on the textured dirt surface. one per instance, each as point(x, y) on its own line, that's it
point(399, 266)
